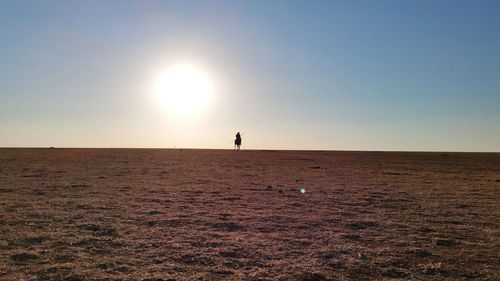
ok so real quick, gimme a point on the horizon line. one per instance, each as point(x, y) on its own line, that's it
point(250, 149)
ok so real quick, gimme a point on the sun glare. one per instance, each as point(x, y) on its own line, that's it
point(183, 90)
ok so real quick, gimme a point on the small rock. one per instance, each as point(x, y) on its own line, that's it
point(352, 237)
point(445, 242)
point(425, 229)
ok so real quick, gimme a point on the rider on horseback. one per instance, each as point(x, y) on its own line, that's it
point(237, 141)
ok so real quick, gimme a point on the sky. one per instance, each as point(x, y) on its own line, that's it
point(421, 75)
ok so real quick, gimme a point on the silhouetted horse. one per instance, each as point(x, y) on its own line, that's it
point(237, 141)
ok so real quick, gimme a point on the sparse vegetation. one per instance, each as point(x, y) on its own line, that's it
point(77, 214)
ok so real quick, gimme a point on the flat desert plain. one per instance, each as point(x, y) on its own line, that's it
point(165, 214)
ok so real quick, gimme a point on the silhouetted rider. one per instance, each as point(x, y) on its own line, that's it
point(237, 141)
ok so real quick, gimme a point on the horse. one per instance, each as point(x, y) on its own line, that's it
point(237, 141)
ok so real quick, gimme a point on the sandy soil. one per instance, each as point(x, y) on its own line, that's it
point(123, 214)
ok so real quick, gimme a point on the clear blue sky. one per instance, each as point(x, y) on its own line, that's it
point(367, 75)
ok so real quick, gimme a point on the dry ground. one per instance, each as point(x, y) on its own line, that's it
point(123, 214)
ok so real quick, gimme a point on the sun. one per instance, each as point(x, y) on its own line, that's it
point(183, 90)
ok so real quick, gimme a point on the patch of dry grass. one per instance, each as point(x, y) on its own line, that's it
point(107, 214)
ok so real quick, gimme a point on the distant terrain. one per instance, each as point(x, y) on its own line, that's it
point(165, 214)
